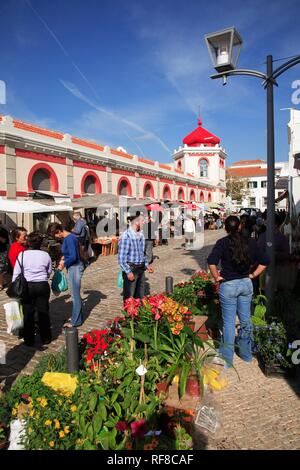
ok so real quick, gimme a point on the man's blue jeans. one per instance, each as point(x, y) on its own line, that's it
point(74, 275)
point(235, 298)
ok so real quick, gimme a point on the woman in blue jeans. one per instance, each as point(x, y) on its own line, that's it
point(72, 262)
point(238, 255)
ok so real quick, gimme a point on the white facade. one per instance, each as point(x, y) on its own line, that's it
point(254, 172)
point(294, 163)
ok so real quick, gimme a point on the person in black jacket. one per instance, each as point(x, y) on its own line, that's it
point(237, 254)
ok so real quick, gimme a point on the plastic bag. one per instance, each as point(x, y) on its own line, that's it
point(120, 282)
point(208, 415)
point(14, 317)
point(59, 282)
point(17, 430)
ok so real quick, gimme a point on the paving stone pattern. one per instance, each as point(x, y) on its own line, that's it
point(255, 412)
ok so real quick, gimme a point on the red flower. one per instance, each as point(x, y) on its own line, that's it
point(138, 428)
point(122, 426)
point(131, 306)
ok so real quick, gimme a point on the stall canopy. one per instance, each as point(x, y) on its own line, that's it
point(109, 200)
point(30, 207)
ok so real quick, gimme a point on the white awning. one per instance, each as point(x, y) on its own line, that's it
point(30, 207)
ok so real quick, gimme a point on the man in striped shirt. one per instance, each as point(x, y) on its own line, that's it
point(132, 259)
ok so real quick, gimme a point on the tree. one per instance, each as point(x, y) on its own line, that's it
point(236, 188)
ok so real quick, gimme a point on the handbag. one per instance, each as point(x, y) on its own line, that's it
point(18, 289)
point(59, 282)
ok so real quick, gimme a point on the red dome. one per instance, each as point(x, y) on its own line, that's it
point(201, 136)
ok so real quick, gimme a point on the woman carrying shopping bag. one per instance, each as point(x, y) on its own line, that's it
point(37, 266)
point(71, 260)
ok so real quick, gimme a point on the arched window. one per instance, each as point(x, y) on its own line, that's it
point(166, 192)
point(181, 194)
point(124, 188)
point(192, 195)
point(203, 168)
point(201, 196)
point(41, 180)
point(148, 190)
point(179, 165)
point(90, 183)
point(209, 197)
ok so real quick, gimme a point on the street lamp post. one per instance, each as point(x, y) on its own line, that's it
point(224, 47)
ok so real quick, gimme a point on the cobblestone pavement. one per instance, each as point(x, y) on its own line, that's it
point(255, 412)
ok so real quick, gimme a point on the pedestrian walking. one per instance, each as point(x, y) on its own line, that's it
point(37, 266)
point(237, 255)
point(189, 231)
point(149, 234)
point(19, 244)
point(132, 259)
point(70, 260)
point(81, 230)
point(4, 245)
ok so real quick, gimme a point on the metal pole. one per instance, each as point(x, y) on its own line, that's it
point(169, 285)
point(270, 235)
point(72, 350)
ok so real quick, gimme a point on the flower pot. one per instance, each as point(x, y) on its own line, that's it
point(192, 387)
point(162, 387)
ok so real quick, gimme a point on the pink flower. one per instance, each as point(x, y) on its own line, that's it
point(131, 306)
point(138, 428)
point(122, 426)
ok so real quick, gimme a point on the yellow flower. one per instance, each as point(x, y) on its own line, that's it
point(56, 424)
point(38, 399)
point(51, 444)
point(48, 422)
point(43, 402)
point(14, 412)
point(66, 429)
point(73, 408)
point(29, 430)
point(31, 413)
point(61, 434)
point(30, 405)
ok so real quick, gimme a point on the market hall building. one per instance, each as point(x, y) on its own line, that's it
point(35, 159)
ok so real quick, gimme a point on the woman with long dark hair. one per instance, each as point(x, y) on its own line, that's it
point(37, 267)
point(237, 253)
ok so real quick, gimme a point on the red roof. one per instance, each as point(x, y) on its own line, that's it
point(200, 136)
point(248, 162)
point(249, 171)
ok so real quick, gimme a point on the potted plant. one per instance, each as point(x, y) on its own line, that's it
point(271, 346)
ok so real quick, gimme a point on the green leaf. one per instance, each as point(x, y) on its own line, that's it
point(90, 432)
point(126, 332)
point(110, 423)
point(120, 371)
point(93, 401)
point(97, 423)
point(142, 337)
point(127, 381)
point(102, 411)
point(114, 397)
point(118, 409)
point(82, 424)
point(183, 378)
point(88, 445)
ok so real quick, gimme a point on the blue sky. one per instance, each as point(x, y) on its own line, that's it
point(134, 73)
